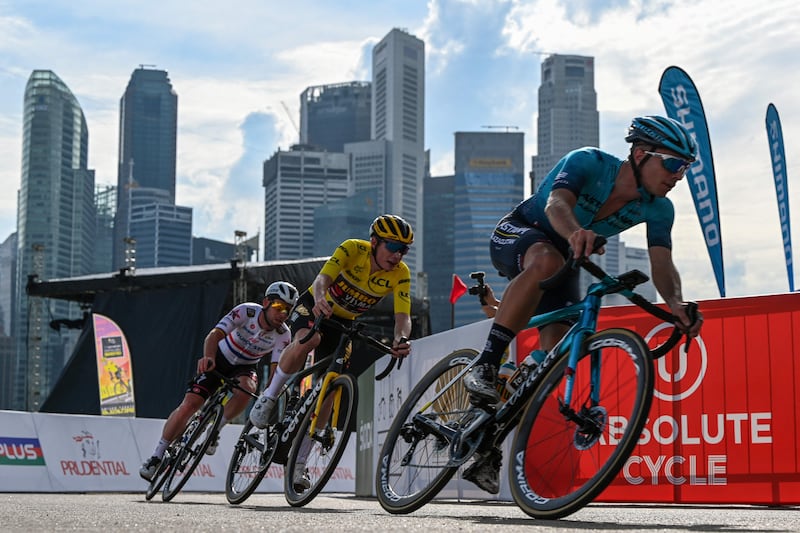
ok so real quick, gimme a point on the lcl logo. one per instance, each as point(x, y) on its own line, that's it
point(689, 369)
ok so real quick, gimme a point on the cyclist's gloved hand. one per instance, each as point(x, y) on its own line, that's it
point(401, 347)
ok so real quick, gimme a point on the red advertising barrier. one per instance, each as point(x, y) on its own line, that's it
point(724, 426)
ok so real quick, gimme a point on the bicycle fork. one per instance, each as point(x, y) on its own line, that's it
point(323, 406)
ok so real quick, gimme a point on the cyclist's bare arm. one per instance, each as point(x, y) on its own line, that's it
point(207, 362)
point(560, 212)
point(667, 281)
point(320, 288)
point(402, 331)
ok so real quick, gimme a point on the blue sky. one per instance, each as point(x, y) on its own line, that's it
point(234, 67)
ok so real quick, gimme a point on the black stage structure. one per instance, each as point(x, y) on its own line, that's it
point(165, 314)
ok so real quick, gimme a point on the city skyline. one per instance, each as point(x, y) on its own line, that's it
point(482, 69)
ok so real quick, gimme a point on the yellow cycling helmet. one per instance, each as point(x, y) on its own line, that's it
point(392, 228)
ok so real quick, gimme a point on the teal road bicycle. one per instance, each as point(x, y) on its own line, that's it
point(578, 414)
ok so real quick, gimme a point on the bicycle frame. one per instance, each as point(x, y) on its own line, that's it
point(289, 425)
point(334, 371)
point(585, 314)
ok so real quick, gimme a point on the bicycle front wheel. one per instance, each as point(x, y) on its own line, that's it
point(251, 459)
point(323, 451)
point(558, 463)
point(195, 440)
point(412, 465)
point(162, 472)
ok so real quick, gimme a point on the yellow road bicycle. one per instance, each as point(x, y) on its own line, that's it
point(294, 425)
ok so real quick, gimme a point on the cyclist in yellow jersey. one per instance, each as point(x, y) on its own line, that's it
point(355, 278)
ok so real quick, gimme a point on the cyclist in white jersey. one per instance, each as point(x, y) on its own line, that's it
point(233, 348)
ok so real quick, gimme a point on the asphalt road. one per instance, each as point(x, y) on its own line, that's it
point(332, 513)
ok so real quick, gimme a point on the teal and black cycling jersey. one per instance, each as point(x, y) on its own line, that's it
point(590, 174)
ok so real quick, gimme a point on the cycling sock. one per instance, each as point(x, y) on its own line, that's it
point(222, 422)
point(161, 447)
point(496, 344)
point(276, 384)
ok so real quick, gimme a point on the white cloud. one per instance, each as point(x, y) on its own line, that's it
point(229, 64)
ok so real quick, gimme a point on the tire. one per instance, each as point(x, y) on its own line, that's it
point(252, 456)
point(555, 469)
point(323, 456)
point(403, 488)
point(198, 437)
point(160, 476)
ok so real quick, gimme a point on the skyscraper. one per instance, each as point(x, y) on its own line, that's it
point(8, 351)
point(105, 201)
point(55, 228)
point(333, 115)
point(148, 118)
point(398, 116)
point(296, 182)
point(439, 264)
point(489, 182)
point(568, 117)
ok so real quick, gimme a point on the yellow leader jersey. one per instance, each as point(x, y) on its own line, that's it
point(354, 290)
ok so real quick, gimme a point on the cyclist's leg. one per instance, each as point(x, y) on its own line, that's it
point(248, 380)
point(291, 361)
point(198, 392)
point(528, 258)
point(197, 438)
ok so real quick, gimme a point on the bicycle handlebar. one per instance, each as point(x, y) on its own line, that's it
point(624, 284)
point(354, 332)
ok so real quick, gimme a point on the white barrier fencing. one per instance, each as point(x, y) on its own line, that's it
point(42, 452)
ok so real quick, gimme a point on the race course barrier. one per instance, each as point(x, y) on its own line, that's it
point(724, 427)
point(42, 452)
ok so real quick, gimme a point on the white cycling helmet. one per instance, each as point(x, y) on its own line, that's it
point(282, 290)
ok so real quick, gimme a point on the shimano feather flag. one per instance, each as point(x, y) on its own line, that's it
point(682, 103)
point(778, 158)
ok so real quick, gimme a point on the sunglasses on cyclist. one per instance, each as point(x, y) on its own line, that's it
point(280, 306)
point(394, 247)
point(672, 164)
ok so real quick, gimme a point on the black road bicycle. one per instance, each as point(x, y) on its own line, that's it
point(185, 453)
point(295, 420)
point(579, 413)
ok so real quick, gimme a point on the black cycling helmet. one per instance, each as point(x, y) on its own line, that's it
point(664, 132)
point(392, 228)
point(282, 290)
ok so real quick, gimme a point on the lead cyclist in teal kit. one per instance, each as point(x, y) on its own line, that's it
point(589, 193)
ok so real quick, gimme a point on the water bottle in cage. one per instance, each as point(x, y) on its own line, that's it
point(506, 371)
point(525, 367)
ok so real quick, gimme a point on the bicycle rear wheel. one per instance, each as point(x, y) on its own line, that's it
point(252, 456)
point(412, 465)
point(323, 450)
point(558, 466)
point(191, 452)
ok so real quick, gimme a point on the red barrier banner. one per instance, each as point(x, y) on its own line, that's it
point(724, 426)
